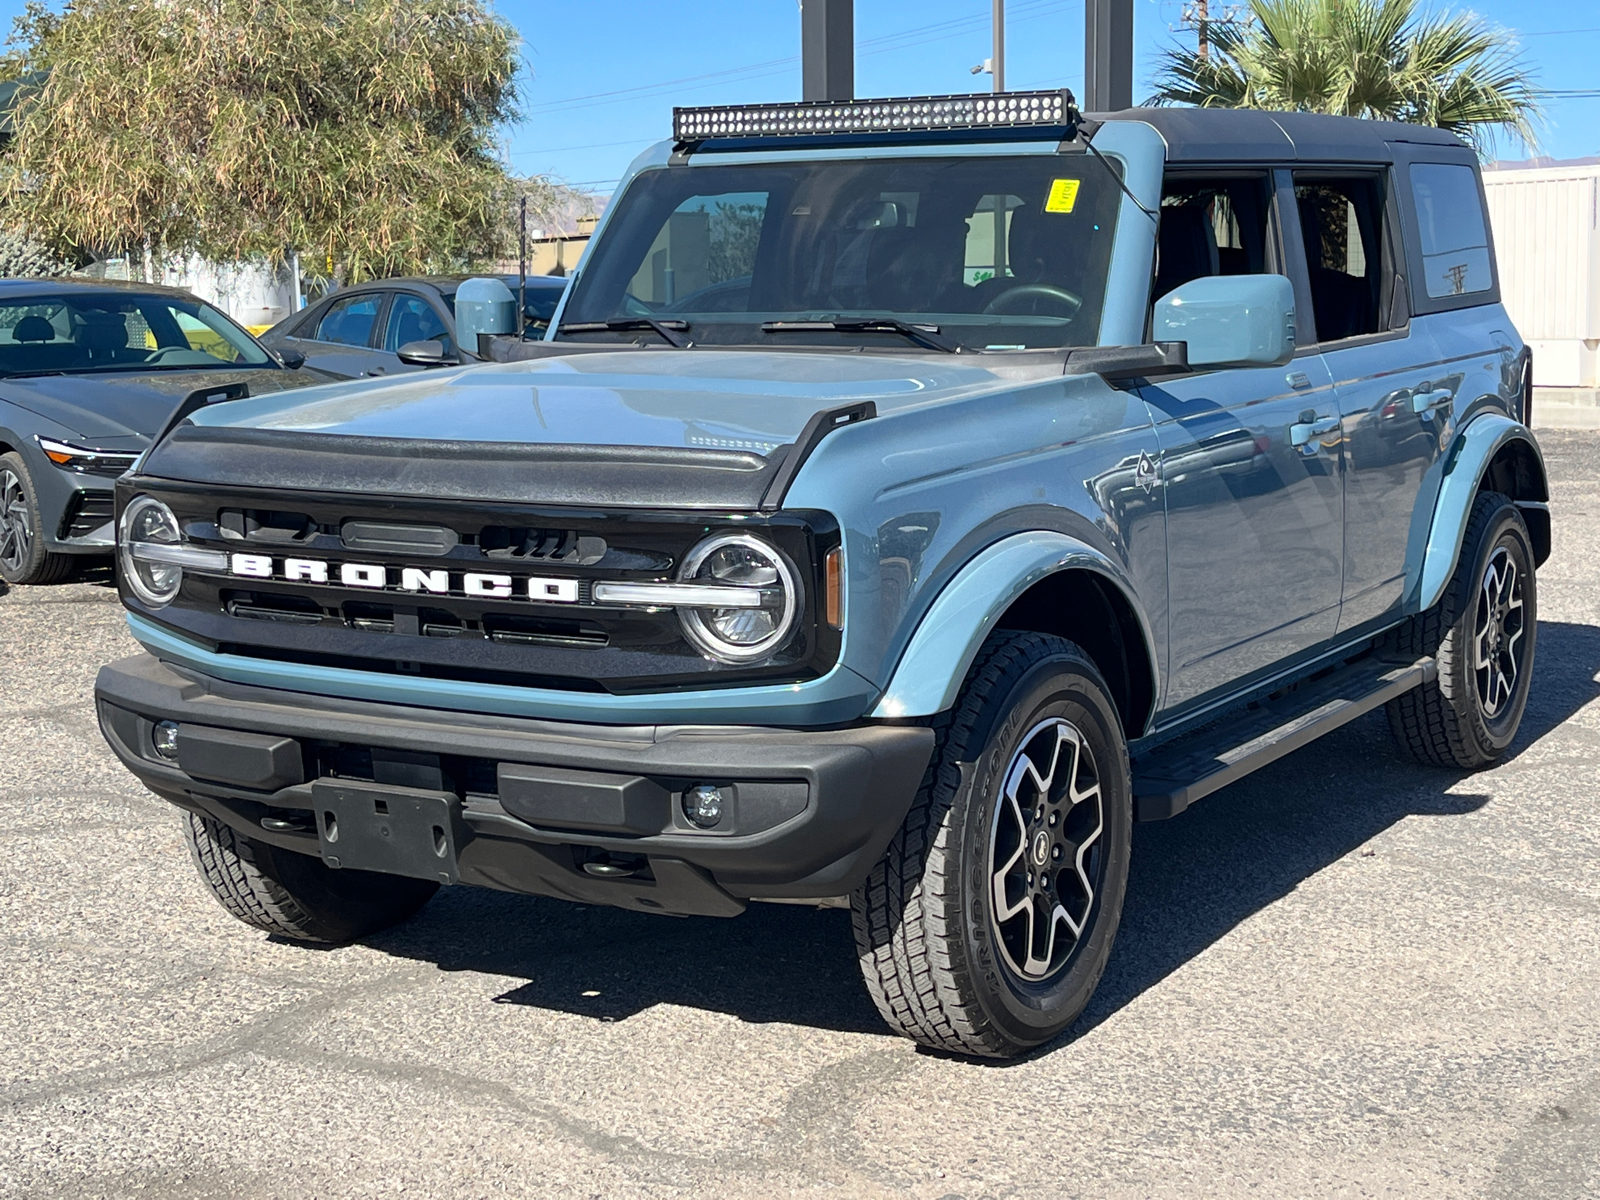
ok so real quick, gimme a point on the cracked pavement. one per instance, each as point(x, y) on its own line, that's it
point(1347, 975)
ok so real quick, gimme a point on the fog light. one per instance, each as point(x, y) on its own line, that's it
point(165, 738)
point(702, 804)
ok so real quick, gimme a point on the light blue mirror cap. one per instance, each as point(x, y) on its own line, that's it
point(1229, 320)
point(483, 306)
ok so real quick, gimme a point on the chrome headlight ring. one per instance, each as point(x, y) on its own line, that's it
point(745, 633)
point(152, 553)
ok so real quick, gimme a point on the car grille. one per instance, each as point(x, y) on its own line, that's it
point(85, 512)
point(579, 645)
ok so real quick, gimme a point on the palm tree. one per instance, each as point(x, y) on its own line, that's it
point(1360, 58)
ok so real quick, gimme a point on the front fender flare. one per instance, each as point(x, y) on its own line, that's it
point(935, 663)
point(1468, 460)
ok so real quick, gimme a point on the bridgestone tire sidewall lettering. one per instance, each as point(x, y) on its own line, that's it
point(1026, 1011)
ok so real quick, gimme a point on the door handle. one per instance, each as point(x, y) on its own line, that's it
point(1304, 431)
point(370, 371)
point(1426, 400)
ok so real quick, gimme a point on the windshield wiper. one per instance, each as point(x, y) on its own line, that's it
point(668, 330)
point(922, 335)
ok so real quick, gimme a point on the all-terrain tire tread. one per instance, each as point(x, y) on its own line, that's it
point(1424, 720)
point(227, 864)
point(911, 976)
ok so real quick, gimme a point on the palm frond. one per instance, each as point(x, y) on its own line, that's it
point(1363, 58)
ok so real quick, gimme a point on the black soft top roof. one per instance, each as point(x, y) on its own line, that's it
point(1229, 135)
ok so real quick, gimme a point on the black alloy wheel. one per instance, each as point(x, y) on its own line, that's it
point(1046, 859)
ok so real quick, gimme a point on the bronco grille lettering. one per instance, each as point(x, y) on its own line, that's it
point(478, 585)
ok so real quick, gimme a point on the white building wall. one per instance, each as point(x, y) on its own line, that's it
point(252, 293)
point(1548, 249)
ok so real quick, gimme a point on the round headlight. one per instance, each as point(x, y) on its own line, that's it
point(751, 631)
point(147, 521)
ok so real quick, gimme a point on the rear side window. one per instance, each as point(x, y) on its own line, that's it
point(349, 321)
point(1455, 239)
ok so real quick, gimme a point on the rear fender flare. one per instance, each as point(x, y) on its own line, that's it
point(947, 639)
point(1464, 469)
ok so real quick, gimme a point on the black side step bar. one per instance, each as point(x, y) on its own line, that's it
point(1173, 776)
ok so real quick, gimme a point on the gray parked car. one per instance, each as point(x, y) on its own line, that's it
point(359, 331)
point(908, 497)
point(90, 370)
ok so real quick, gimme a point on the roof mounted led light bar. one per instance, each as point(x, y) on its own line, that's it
point(1012, 113)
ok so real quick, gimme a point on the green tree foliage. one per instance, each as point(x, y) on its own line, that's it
point(1361, 58)
point(358, 132)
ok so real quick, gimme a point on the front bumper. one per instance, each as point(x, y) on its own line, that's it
point(583, 812)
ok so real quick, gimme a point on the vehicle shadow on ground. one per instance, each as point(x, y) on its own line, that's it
point(1193, 880)
point(97, 571)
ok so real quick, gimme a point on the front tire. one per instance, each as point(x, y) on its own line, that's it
point(1484, 630)
point(23, 557)
point(988, 924)
point(297, 895)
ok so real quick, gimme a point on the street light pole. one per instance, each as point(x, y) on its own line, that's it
point(999, 61)
point(827, 50)
point(1108, 55)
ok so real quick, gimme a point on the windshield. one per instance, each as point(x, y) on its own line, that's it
point(119, 331)
point(991, 253)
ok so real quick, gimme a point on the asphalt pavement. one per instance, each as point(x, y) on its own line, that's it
point(1347, 975)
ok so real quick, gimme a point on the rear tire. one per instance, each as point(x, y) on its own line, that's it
point(987, 925)
point(1483, 632)
point(297, 895)
point(23, 557)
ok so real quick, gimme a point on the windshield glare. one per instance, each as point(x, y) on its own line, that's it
point(997, 252)
point(115, 331)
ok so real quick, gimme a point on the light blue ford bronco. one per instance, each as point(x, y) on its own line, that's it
point(908, 497)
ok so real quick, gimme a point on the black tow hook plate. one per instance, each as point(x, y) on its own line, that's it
point(398, 831)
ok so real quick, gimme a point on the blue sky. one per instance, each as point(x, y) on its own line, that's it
point(601, 77)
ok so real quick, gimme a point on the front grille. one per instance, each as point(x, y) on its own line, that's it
point(85, 512)
point(565, 546)
point(435, 625)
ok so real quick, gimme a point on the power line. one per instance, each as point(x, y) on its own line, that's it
point(780, 66)
point(644, 141)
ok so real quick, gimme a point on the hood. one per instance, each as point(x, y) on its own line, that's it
point(730, 400)
point(124, 410)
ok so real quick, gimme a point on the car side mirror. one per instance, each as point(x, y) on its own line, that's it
point(292, 359)
point(1229, 320)
point(430, 353)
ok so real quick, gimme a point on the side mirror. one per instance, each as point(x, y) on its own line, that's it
point(1229, 320)
point(292, 359)
point(430, 353)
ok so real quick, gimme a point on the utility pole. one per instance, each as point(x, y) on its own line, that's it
point(827, 50)
point(1108, 55)
point(1202, 20)
point(999, 61)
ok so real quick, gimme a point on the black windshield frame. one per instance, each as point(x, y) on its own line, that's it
point(912, 224)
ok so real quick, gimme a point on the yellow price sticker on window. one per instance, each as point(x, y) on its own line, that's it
point(1063, 195)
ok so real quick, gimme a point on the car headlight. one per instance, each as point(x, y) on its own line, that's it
point(68, 457)
point(764, 618)
point(150, 545)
